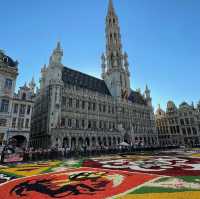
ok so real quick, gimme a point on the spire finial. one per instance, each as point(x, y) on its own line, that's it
point(58, 47)
point(56, 55)
point(33, 81)
point(110, 7)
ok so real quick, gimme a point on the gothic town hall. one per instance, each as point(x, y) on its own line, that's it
point(73, 109)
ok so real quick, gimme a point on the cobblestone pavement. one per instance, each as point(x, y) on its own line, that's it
point(167, 174)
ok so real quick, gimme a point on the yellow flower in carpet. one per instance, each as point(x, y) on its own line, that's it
point(177, 195)
point(30, 169)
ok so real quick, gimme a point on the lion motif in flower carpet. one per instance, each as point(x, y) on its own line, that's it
point(82, 183)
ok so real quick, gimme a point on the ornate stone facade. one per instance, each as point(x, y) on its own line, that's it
point(22, 105)
point(73, 109)
point(15, 109)
point(178, 126)
point(8, 75)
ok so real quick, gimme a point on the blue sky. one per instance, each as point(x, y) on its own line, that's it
point(161, 38)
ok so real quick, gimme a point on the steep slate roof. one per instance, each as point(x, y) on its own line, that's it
point(184, 104)
point(7, 60)
point(82, 80)
point(137, 98)
point(73, 77)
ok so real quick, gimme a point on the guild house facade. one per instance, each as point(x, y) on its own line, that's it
point(178, 126)
point(8, 75)
point(73, 109)
point(15, 108)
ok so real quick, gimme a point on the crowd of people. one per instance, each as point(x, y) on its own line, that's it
point(60, 153)
point(13, 154)
point(31, 154)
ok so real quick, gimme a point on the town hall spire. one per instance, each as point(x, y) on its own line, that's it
point(115, 67)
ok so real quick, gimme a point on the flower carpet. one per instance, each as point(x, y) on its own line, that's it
point(159, 175)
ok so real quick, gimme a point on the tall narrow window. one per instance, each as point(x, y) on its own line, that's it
point(83, 123)
point(8, 84)
point(104, 125)
point(104, 108)
point(94, 124)
point(100, 124)
point(109, 109)
point(27, 124)
point(14, 122)
point(182, 121)
point(4, 105)
point(28, 109)
point(100, 108)
point(64, 102)
point(94, 106)
point(15, 108)
point(89, 124)
point(83, 104)
point(22, 123)
point(69, 122)
point(22, 109)
point(62, 122)
point(77, 123)
point(77, 103)
point(70, 102)
point(89, 105)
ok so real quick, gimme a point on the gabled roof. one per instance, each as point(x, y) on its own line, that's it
point(73, 77)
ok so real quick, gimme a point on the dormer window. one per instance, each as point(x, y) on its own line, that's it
point(5, 59)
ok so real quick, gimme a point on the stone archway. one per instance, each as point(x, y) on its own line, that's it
point(127, 138)
point(114, 141)
point(18, 141)
point(109, 141)
point(66, 142)
point(80, 142)
point(104, 141)
point(87, 141)
point(73, 143)
point(118, 140)
point(99, 141)
point(93, 141)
